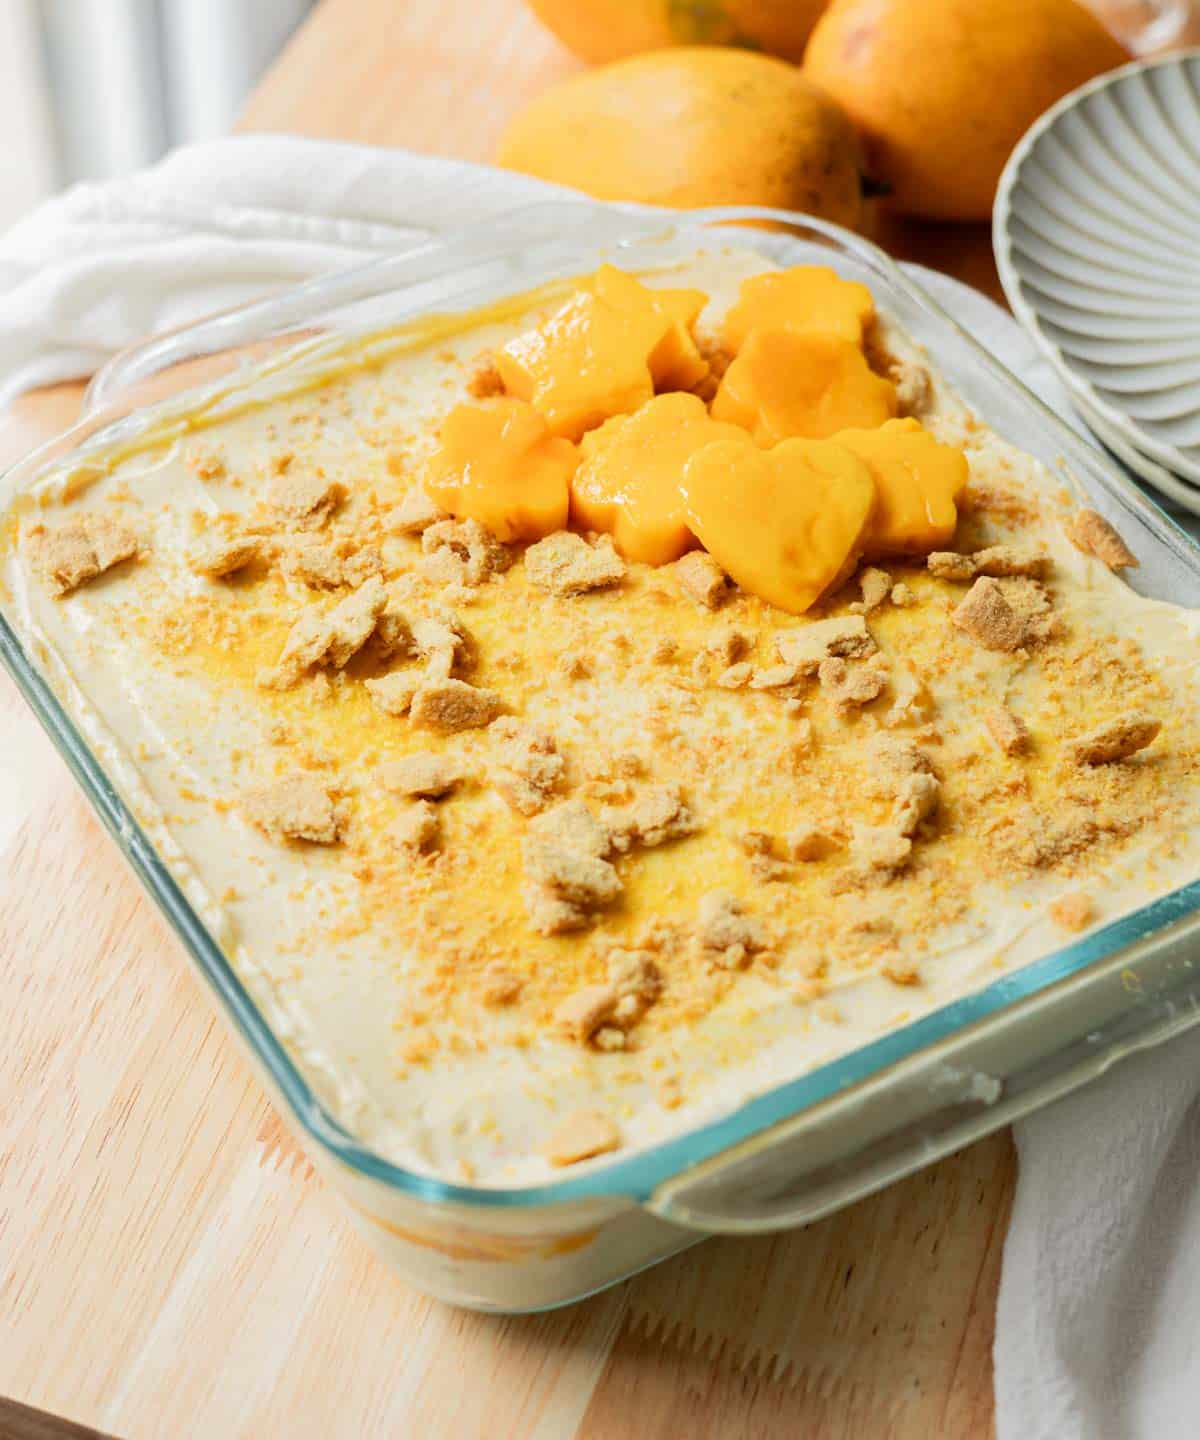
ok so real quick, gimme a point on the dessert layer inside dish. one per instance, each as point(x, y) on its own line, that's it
point(535, 850)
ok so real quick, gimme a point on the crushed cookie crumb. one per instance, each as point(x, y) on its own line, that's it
point(702, 578)
point(423, 775)
point(1094, 535)
point(901, 972)
point(583, 1135)
point(418, 828)
point(80, 550)
point(729, 645)
point(415, 513)
point(810, 842)
point(843, 637)
point(987, 617)
point(657, 814)
point(448, 705)
point(580, 1015)
point(726, 935)
point(498, 986)
point(574, 666)
point(531, 769)
point(850, 684)
point(903, 596)
point(876, 586)
point(327, 637)
point(664, 650)
point(393, 694)
point(775, 677)
point(997, 561)
point(303, 502)
point(298, 807)
point(1115, 740)
point(877, 853)
point(762, 852)
point(227, 556)
point(568, 876)
point(440, 639)
point(469, 554)
point(486, 380)
point(735, 677)
point(1073, 913)
point(565, 564)
point(1009, 731)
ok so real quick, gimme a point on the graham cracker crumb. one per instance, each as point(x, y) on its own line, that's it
point(80, 550)
point(568, 876)
point(726, 935)
point(393, 694)
point(1009, 731)
point(658, 814)
point(903, 596)
point(581, 1136)
point(843, 637)
point(418, 828)
point(327, 638)
point(580, 1015)
point(499, 987)
point(227, 555)
point(422, 775)
point(565, 564)
point(702, 578)
point(415, 513)
point(1073, 913)
point(470, 555)
point(987, 617)
point(736, 676)
point(449, 705)
point(531, 769)
point(299, 807)
point(850, 685)
point(730, 645)
point(997, 561)
point(1094, 535)
point(304, 502)
point(876, 586)
point(1114, 740)
point(486, 381)
point(901, 972)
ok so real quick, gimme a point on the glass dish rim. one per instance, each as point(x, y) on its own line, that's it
point(634, 1177)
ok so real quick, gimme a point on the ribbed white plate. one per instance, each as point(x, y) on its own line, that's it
point(1184, 495)
point(1097, 239)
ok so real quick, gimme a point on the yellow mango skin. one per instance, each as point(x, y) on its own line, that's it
point(603, 30)
point(692, 126)
point(785, 385)
point(917, 480)
point(676, 363)
point(498, 463)
point(629, 476)
point(786, 523)
point(810, 299)
point(942, 90)
point(590, 360)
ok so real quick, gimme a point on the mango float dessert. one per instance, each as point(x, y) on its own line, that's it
point(591, 711)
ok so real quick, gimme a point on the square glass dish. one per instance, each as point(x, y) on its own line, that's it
point(797, 1151)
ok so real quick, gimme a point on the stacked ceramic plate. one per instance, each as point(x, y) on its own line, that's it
point(1097, 238)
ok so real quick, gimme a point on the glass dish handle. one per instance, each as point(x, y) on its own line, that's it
point(946, 1097)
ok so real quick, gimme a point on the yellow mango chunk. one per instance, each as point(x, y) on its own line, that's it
point(917, 478)
point(810, 299)
point(590, 360)
point(676, 363)
point(629, 472)
point(784, 385)
point(786, 524)
point(498, 463)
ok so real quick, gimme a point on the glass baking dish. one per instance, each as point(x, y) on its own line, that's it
point(804, 1148)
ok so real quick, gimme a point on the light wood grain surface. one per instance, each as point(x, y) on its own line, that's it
point(168, 1265)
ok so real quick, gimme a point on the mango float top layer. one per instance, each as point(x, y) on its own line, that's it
point(533, 851)
point(808, 299)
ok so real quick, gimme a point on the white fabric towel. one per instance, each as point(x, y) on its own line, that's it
point(1101, 1288)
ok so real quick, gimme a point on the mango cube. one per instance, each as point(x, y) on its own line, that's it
point(498, 463)
point(918, 480)
point(629, 474)
point(676, 363)
point(785, 385)
point(787, 524)
point(810, 299)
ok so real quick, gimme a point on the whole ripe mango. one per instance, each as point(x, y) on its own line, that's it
point(943, 89)
point(604, 30)
point(693, 126)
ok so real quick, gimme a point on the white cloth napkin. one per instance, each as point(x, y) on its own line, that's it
point(1100, 1297)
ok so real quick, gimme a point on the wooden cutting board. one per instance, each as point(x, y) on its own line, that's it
point(170, 1266)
